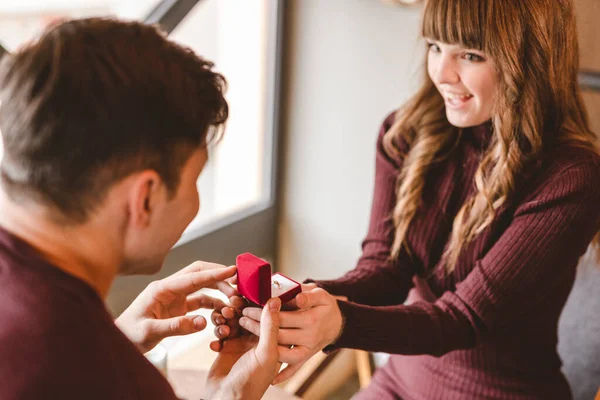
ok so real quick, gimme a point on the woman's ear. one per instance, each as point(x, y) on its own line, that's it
point(145, 194)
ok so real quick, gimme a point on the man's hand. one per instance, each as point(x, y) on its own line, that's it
point(246, 365)
point(316, 324)
point(226, 321)
point(160, 310)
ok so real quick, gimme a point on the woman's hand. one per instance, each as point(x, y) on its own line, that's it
point(421, 292)
point(316, 323)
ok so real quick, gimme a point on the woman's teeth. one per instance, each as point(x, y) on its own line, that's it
point(457, 99)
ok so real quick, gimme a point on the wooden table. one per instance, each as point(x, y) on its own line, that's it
point(189, 383)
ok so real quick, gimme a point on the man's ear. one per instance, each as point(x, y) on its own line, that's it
point(145, 194)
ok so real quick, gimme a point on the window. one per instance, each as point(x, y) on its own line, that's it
point(237, 188)
point(22, 20)
point(240, 37)
point(235, 35)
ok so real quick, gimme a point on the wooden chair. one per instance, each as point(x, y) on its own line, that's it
point(325, 374)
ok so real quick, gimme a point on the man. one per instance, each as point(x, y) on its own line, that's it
point(105, 127)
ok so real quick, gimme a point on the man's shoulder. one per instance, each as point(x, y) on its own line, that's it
point(38, 304)
point(57, 340)
point(44, 329)
point(52, 346)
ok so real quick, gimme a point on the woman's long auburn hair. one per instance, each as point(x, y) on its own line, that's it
point(534, 46)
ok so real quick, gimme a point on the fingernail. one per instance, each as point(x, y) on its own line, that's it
point(198, 322)
point(275, 304)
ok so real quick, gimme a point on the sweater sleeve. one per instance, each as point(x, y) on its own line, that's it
point(376, 280)
point(534, 256)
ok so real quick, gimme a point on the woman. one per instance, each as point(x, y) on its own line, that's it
point(488, 188)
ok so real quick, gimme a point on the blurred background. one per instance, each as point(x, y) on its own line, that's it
point(309, 83)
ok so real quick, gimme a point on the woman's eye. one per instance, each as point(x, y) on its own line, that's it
point(433, 47)
point(473, 57)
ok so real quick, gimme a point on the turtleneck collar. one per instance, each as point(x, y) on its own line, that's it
point(480, 135)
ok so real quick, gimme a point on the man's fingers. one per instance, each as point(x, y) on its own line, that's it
point(232, 323)
point(228, 313)
point(227, 289)
point(238, 302)
point(216, 345)
point(196, 301)
point(266, 350)
point(198, 266)
point(162, 328)
point(287, 373)
point(217, 318)
point(222, 331)
point(191, 282)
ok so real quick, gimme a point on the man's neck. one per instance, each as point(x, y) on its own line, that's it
point(84, 251)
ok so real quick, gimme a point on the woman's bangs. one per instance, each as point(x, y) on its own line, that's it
point(455, 22)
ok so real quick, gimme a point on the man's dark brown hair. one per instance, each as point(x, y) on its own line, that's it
point(95, 100)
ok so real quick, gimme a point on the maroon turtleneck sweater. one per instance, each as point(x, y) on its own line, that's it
point(492, 333)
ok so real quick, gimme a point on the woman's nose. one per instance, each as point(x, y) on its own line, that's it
point(446, 71)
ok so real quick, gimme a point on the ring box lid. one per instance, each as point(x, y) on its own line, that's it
point(256, 283)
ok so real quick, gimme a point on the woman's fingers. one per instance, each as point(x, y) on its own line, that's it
point(286, 337)
point(287, 319)
point(250, 325)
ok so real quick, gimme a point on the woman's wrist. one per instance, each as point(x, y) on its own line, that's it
point(338, 328)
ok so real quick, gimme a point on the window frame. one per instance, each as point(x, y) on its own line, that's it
point(252, 229)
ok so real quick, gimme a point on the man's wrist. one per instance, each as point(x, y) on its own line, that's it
point(225, 393)
point(124, 327)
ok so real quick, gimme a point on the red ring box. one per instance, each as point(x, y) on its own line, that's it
point(256, 283)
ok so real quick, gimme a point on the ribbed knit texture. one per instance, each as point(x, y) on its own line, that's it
point(492, 333)
point(57, 339)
